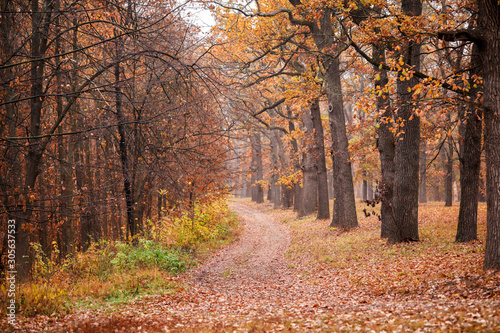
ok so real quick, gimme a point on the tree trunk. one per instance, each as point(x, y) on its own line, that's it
point(297, 190)
point(442, 156)
point(319, 142)
point(66, 152)
point(10, 172)
point(257, 169)
point(489, 49)
point(386, 148)
point(160, 203)
point(437, 192)
point(277, 157)
point(41, 19)
point(364, 188)
point(422, 189)
point(344, 204)
point(286, 191)
point(470, 165)
point(448, 179)
point(482, 189)
point(309, 167)
point(127, 185)
point(406, 159)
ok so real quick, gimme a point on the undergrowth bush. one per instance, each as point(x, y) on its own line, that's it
point(146, 254)
point(205, 224)
point(118, 271)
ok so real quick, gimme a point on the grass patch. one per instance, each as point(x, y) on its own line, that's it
point(112, 273)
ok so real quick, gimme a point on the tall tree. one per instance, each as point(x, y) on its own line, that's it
point(470, 162)
point(448, 178)
point(406, 159)
point(319, 142)
point(422, 190)
point(386, 146)
point(489, 49)
point(309, 166)
point(257, 168)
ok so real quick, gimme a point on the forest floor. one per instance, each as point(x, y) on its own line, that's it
point(297, 275)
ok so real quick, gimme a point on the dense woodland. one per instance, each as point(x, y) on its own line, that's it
point(386, 99)
point(114, 113)
point(110, 115)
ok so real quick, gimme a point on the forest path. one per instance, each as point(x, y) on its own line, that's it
point(254, 263)
point(245, 287)
point(253, 286)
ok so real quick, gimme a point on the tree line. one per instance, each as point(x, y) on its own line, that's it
point(110, 115)
point(416, 81)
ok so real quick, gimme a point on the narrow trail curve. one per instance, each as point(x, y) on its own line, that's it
point(247, 282)
point(250, 279)
point(257, 258)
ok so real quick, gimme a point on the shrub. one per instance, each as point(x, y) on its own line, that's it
point(42, 298)
point(206, 223)
point(146, 254)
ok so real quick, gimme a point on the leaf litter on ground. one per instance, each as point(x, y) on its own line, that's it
point(297, 275)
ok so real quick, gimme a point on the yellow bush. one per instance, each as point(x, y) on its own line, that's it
point(205, 223)
point(45, 299)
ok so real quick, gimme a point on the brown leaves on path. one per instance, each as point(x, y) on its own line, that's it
point(327, 281)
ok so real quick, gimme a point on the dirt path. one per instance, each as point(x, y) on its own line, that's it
point(256, 261)
point(245, 285)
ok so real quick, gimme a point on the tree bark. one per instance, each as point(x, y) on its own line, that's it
point(489, 49)
point(369, 191)
point(309, 167)
point(470, 164)
point(275, 175)
point(437, 192)
point(364, 188)
point(319, 142)
point(422, 189)
point(66, 151)
point(448, 178)
point(406, 159)
point(330, 185)
point(297, 190)
point(123, 147)
point(10, 172)
point(257, 169)
point(386, 147)
point(286, 190)
point(344, 204)
point(40, 25)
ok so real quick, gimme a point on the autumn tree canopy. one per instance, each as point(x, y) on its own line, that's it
point(105, 107)
point(425, 97)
